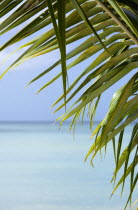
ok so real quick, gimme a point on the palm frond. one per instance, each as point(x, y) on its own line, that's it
point(109, 28)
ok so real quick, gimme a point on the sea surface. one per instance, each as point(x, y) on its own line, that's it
point(42, 168)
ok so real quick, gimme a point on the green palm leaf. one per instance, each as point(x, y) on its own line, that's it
point(108, 28)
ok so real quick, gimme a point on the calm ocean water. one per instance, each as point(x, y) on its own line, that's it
point(42, 168)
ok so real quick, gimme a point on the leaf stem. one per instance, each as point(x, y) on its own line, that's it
point(118, 22)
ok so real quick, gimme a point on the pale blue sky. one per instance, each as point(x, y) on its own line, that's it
point(22, 104)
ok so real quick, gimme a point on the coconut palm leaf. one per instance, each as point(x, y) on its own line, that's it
point(109, 28)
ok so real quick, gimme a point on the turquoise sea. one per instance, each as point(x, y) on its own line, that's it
point(42, 168)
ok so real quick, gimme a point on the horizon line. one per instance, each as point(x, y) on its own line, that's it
point(40, 121)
